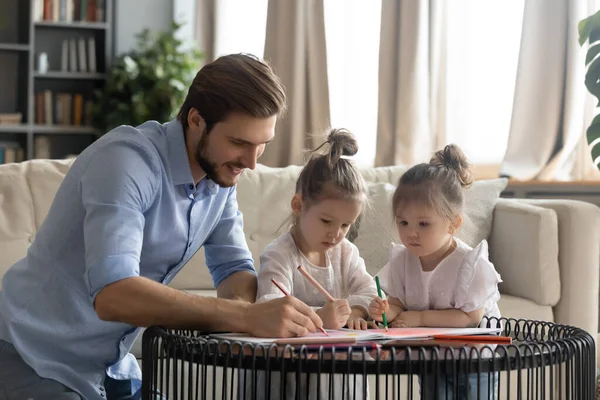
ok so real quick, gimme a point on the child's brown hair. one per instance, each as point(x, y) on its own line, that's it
point(438, 184)
point(332, 175)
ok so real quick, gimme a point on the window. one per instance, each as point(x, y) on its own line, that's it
point(483, 42)
point(352, 34)
point(241, 27)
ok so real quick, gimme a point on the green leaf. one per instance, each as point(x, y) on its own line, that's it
point(586, 26)
point(596, 153)
point(592, 52)
point(148, 82)
point(593, 131)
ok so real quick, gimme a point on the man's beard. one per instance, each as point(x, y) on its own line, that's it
point(210, 168)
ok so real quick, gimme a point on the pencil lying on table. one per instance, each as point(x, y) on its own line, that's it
point(492, 339)
point(287, 294)
point(316, 284)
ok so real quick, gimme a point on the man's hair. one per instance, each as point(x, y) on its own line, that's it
point(234, 83)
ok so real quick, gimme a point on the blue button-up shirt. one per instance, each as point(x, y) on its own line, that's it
point(127, 207)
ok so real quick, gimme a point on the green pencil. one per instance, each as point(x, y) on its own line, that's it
point(379, 293)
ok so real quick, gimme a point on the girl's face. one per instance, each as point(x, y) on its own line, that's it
point(422, 230)
point(325, 224)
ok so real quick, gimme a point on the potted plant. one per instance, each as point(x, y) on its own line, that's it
point(147, 83)
point(589, 30)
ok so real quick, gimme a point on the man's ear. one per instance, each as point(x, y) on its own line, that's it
point(455, 225)
point(195, 120)
point(297, 204)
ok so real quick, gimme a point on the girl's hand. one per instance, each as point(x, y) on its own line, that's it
point(377, 307)
point(411, 318)
point(335, 314)
point(398, 323)
point(360, 323)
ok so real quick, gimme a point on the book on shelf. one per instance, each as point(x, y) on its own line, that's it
point(73, 55)
point(69, 10)
point(64, 60)
point(41, 147)
point(68, 109)
point(78, 55)
point(11, 152)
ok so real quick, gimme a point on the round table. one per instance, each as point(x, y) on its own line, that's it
point(545, 361)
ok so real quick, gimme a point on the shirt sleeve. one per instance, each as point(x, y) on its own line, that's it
point(273, 265)
point(117, 186)
point(477, 281)
point(225, 249)
point(361, 285)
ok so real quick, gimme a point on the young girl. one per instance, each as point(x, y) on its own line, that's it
point(330, 195)
point(433, 279)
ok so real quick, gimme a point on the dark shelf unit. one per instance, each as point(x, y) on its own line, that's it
point(23, 36)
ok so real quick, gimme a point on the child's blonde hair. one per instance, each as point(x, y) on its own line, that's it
point(439, 184)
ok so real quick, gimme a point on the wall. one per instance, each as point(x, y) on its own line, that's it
point(132, 16)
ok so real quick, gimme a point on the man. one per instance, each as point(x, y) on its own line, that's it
point(132, 210)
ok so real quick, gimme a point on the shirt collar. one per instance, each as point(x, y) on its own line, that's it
point(179, 162)
point(178, 156)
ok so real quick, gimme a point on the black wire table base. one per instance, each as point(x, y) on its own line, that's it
point(545, 361)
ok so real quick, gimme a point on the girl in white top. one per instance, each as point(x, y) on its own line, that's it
point(434, 279)
point(330, 195)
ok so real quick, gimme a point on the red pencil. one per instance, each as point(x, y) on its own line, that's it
point(287, 294)
point(476, 338)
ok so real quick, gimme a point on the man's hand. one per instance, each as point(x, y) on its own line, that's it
point(335, 314)
point(411, 318)
point(281, 318)
point(377, 307)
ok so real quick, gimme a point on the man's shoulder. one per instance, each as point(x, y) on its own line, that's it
point(134, 144)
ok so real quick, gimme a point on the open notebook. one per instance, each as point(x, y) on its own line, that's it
point(353, 336)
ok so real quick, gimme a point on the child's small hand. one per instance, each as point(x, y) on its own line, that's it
point(377, 307)
point(334, 314)
point(359, 323)
point(411, 318)
point(398, 323)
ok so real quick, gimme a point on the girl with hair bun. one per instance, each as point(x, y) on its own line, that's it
point(433, 279)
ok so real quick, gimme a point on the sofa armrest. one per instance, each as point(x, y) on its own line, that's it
point(524, 250)
point(579, 260)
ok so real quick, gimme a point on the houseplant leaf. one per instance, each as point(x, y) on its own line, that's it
point(147, 83)
point(589, 31)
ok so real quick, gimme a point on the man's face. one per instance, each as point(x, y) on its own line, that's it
point(232, 146)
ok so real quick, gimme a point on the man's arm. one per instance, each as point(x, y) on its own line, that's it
point(239, 286)
point(227, 254)
point(142, 302)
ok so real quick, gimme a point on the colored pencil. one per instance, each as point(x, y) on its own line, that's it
point(385, 324)
point(316, 284)
point(287, 294)
point(476, 338)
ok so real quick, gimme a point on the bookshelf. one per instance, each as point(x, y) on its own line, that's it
point(44, 112)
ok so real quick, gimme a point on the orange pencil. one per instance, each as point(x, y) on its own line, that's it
point(476, 338)
point(316, 284)
point(287, 294)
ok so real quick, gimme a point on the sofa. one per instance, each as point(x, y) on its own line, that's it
point(546, 251)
